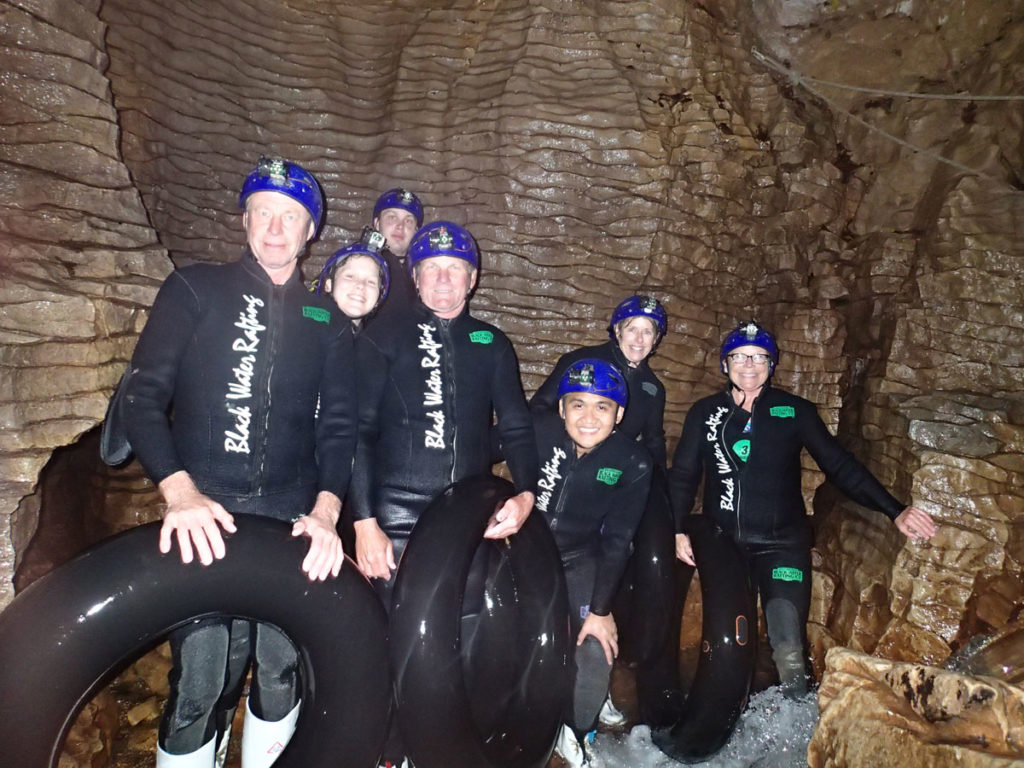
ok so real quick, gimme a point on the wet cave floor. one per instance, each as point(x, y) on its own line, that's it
point(118, 728)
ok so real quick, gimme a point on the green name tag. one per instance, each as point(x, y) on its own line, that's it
point(782, 411)
point(742, 449)
point(319, 314)
point(608, 476)
point(788, 574)
point(481, 337)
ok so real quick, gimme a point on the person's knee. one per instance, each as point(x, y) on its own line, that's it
point(275, 676)
point(786, 633)
point(200, 661)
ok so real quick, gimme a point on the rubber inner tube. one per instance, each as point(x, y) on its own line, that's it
point(725, 668)
point(517, 657)
point(647, 600)
point(62, 638)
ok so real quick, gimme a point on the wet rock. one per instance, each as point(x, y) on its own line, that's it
point(878, 712)
point(594, 149)
point(998, 654)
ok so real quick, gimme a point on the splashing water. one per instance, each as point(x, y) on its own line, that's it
point(772, 733)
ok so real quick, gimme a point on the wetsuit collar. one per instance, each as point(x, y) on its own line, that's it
point(423, 309)
point(621, 362)
point(252, 266)
point(729, 387)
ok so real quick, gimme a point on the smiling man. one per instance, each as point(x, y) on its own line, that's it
point(431, 381)
point(637, 326)
point(593, 490)
point(222, 411)
point(398, 214)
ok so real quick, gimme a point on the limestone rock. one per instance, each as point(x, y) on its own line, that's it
point(877, 712)
point(595, 149)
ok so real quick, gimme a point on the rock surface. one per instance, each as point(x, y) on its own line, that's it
point(880, 712)
point(594, 148)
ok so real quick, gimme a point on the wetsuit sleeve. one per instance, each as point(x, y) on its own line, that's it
point(371, 377)
point(336, 422)
point(515, 427)
point(842, 468)
point(545, 399)
point(153, 373)
point(654, 430)
point(687, 470)
point(617, 535)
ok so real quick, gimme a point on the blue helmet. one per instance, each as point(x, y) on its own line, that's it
point(370, 244)
point(598, 377)
point(753, 334)
point(400, 198)
point(640, 306)
point(274, 174)
point(442, 238)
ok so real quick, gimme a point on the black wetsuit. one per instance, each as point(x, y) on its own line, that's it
point(645, 409)
point(428, 391)
point(242, 364)
point(401, 287)
point(593, 504)
point(750, 464)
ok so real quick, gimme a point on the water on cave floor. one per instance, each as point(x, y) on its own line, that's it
point(772, 733)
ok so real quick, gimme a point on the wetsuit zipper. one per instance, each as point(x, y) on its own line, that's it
point(570, 467)
point(274, 313)
point(449, 375)
point(732, 462)
point(737, 496)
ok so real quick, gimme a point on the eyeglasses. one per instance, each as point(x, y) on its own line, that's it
point(738, 358)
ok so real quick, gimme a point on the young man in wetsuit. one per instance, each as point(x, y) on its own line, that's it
point(397, 215)
point(638, 324)
point(592, 491)
point(745, 443)
point(241, 354)
point(431, 380)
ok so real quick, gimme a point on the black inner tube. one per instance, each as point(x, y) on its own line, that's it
point(517, 657)
point(725, 669)
point(63, 636)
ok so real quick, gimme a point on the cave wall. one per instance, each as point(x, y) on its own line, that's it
point(594, 149)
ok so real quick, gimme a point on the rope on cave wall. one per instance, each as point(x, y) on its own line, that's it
point(804, 81)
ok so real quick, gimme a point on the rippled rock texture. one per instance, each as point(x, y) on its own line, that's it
point(594, 149)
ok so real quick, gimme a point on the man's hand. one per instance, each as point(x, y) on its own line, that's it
point(194, 518)
point(375, 554)
point(916, 524)
point(510, 516)
point(325, 556)
point(684, 550)
point(603, 629)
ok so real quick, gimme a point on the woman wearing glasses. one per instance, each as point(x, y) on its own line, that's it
point(745, 443)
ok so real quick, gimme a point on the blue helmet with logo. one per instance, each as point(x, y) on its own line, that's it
point(640, 306)
point(749, 333)
point(597, 377)
point(442, 238)
point(370, 244)
point(400, 198)
point(275, 174)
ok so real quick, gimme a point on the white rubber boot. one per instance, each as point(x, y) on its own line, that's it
point(569, 748)
point(610, 715)
point(262, 740)
point(201, 758)
point(222, 748)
